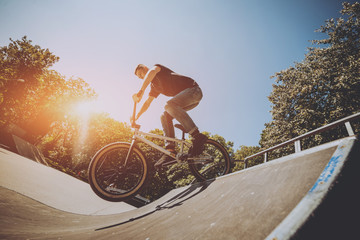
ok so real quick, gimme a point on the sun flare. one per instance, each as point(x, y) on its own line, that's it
point(83, 109)
point(115, 107)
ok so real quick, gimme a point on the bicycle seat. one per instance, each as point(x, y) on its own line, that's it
point(179, 126)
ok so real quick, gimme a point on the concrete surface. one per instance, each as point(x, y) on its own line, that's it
point(52, 187)
point(248, 204)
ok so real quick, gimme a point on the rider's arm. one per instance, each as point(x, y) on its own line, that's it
point(147, 80)
point(145, 107)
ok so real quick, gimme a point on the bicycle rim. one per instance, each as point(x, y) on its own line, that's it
point(113, 181)
point(213, 162)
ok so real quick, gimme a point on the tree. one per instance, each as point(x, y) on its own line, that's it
point(25, 62)
point(43, 95)
point(323, 88)
point(22, 60)
point(242, 153)
point(74, 141)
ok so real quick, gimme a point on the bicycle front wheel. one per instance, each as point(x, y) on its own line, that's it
point(112, 179)
point(213, 162)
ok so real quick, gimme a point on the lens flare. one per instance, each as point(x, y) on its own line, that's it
point(84, 109)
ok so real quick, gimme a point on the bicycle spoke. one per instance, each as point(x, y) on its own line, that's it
point(116, 178)
point(109, 176)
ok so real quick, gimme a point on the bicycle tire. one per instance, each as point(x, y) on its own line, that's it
point(110, 180)
point(220, 165)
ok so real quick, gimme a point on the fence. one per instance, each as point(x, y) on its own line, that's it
point(297, 140)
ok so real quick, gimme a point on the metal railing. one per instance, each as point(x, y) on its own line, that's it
point(297, 140)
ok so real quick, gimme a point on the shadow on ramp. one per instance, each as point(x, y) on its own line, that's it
point(173, 202)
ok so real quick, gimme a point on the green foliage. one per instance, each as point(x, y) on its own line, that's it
point(242, 153)
point(44, 94)
point(227, 144)
point(74, 141)
point(321, 89)
point(20, 60)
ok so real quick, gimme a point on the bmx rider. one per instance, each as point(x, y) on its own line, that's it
point(186, 95)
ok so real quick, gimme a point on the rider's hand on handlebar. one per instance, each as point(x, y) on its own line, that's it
point(136, 98)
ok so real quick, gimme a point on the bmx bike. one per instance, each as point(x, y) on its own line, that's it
point(119, 170)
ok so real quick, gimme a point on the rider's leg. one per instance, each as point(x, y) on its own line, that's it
point(168, 127)
point(177, 107)
point(182, 102)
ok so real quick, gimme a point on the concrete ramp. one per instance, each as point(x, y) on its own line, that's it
point(52, 187)
point(276, 200)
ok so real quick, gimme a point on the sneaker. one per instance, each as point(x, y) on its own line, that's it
point(164, 159)
point(198, 144)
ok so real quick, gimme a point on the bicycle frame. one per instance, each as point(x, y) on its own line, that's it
point(140, 136)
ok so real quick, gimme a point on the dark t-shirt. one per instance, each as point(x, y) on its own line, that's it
point(169, 83)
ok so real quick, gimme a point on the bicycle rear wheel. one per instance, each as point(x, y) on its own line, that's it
point(111, 179)
point(213, 162)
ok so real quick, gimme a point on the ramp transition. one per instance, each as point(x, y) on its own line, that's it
point(292, 197)
point(52, 187)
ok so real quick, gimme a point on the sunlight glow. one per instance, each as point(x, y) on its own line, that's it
point(118, 107)
point(84, 109)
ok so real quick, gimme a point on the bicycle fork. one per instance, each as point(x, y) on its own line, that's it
point(132, 145)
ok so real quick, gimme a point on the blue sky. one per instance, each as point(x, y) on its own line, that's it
point(231, 48)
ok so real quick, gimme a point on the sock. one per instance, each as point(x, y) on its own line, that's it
point(196, 132)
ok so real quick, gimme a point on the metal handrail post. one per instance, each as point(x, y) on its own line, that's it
point(297, 145)
point(349, 128)
point(265, 157)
